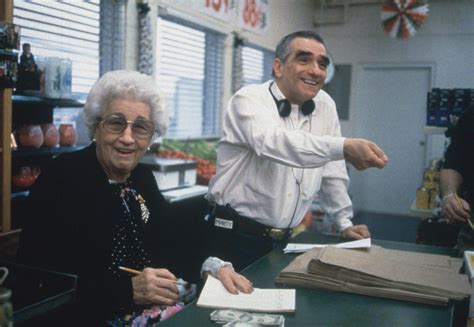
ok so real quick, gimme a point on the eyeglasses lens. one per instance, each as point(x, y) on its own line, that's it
point(116, 124)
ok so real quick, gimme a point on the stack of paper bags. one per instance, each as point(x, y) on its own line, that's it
point(411, 276)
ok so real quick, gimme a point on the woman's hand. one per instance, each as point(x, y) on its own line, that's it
point(155, 286)
point(234, 282)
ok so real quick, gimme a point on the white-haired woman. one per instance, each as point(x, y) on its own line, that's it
point(98, 209)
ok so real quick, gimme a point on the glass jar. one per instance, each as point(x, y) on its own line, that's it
point(67, 135)
point(31, 135)
point(422, 198)
point(6, 308)
point(51, 135)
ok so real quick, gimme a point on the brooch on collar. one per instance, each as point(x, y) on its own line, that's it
point(143, 208)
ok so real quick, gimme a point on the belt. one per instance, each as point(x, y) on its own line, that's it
point(227, 218)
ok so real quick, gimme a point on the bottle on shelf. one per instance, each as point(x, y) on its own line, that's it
point(426, 194)
point(422, 198)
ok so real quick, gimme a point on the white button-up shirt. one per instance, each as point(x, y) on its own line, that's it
point(270, 168)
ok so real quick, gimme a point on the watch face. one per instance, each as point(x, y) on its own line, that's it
point(330, 70)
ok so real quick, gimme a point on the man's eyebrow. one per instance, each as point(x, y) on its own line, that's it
point(302, 53)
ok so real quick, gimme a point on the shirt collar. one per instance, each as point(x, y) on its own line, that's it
point(276, 91)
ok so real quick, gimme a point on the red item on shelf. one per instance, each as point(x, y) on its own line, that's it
point(31, 135)
point(67, 135)
point(51, 135)
point(26, 176)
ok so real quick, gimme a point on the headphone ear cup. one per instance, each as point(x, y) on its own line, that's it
point(284, 107)
point(308, 107)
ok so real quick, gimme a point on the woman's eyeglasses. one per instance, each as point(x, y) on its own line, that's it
point(117, 123)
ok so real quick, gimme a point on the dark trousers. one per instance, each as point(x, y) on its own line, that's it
point(239, 248)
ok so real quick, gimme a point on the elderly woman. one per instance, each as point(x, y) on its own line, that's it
point(97, 209)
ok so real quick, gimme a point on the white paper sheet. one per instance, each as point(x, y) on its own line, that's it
point(300, 247)
point(214, 295)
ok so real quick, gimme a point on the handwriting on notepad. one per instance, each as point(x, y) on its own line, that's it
point(214, 295)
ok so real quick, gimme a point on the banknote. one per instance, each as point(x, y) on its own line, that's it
point(237, 323)
point(254, 319)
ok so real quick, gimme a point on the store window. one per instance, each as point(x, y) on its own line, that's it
point(256, 65)
point(63, 29)
point(189, 70)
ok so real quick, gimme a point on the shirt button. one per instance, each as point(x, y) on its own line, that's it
point(289, 195)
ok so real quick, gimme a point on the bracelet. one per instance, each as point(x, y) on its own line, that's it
point(213, 264)
point(446, 197)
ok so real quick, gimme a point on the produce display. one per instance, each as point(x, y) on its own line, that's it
point(200, 151)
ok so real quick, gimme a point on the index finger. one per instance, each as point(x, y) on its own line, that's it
point(460, 211)
point(243, 284)
point(164, 273)
point(378, 152)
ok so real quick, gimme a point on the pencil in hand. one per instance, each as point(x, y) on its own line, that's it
point(130, 270)
point(460, 204)
point(138, 272)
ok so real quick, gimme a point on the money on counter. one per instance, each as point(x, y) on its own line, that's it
point(237, 318)
point(236, 323)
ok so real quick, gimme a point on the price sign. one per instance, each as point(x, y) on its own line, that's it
point(253, 15)
point(220, 9)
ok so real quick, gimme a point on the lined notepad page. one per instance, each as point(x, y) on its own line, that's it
point(214, 295)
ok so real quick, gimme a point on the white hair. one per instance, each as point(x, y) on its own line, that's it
point(127, 85)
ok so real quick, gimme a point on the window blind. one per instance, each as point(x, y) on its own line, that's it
point(256, 65)
point(189, 70)
point(66, 29)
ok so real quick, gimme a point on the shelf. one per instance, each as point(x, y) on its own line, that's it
point(9, 53)
point(64, 103)
point(20, 195)
point(434, 130)
point(26, 152)
point(422, 213)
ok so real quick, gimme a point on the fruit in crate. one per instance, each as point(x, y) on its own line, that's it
point(205, 168)
point(201, 151)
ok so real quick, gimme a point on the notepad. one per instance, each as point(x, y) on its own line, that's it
point(214, 295)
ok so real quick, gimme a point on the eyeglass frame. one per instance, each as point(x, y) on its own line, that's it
point(101, 120)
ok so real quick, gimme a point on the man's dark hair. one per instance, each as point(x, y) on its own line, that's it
point(283, 48)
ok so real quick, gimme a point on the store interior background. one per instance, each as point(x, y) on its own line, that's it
point(389, 80)
point(438, 56)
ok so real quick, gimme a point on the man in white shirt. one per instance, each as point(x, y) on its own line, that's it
point(281, 145)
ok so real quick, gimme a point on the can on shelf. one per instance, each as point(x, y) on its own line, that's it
point(422, 198)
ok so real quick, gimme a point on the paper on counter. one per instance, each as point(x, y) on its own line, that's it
point(300, 247)
point(214, 295)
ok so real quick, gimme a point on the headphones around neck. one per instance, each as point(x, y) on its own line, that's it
point(284, 105)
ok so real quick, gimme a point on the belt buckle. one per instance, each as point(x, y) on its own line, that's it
point(277, 234)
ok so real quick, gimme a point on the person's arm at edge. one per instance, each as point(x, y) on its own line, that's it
point(450, 182)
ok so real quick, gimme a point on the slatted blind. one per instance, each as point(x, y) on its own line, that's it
point(256, 65)
point(189, 70)
point(66, 29)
